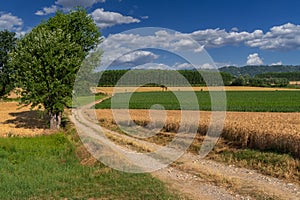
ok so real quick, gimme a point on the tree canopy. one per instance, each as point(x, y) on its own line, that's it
point(81, 27)
point(7, 44)
point(48, 58)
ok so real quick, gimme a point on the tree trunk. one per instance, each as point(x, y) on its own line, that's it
point(55, 120)
point(2, 92)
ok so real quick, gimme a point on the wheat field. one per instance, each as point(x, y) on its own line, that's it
point(258, 130)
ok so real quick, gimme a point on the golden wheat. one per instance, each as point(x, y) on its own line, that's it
point(258, 130)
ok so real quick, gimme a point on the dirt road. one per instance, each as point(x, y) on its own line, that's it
point(198, 178)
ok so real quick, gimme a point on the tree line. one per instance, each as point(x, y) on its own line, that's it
point(260, 82)
point(162, 77)
point(291, 76)
point(270, 79)
point(194, 78)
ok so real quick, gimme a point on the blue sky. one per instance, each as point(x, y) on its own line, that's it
point(232, 32)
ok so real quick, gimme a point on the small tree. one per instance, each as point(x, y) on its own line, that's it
point(87, 77)
point(47, 60)
point(239, 81)
point(7, 44)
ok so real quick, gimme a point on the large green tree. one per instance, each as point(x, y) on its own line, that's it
point(79, 25)
point(48, 58)
point(7, 44)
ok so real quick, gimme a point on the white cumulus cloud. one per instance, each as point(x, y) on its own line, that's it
point(254, 59)
point(153, 66)
point(104, 19)
point(116, 45)
point(47, 10)
point(68, 4)
point(284, 37)
point(234, 29)
point(277, 63)
point(160, 39)
point(278, 38)
point(213, 38)
point(179, 66)
point(135, 58)
point(10, 22)
point(207, 66)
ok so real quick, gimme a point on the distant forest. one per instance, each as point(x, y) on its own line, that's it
point(291, 76)
point(260, 78)
point(162, 77)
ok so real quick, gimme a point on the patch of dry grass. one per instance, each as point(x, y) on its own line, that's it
point(19, 121)
point(14, 94)
point(109, 90)
point(294, 83)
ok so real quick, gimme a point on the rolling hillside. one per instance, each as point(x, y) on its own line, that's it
point(254, 70)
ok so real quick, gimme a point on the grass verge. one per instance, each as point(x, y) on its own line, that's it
point(274, 164)
point(48, 167)
point(83, 100)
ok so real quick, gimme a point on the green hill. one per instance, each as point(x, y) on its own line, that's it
point(254, 70)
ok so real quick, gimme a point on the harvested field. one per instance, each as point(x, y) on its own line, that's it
point(294, 83)
point(14, 94)
point(257, 130)
point(109, 90)
point(19, 121)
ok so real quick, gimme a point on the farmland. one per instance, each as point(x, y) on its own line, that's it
point(263, 131)
point(265, 121)
point(257, 130)
point(246, 101)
